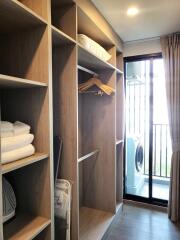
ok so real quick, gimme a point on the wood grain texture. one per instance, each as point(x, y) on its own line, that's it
point(14, 82)
point(65, 119)
point(120, 101)
point(93, 223)
point(39, 7)
point(32, 188)
point(119, 61)
point(120, 125)
point(97, 130)
point(22, 162)
point(62, 18)
point(32, 184)
point(112, 52)
point(18, 18)
point(96, 23)
point(29, 59)
point(25, 227)
point(59, 38)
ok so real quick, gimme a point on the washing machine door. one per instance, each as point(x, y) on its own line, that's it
point(139, 157)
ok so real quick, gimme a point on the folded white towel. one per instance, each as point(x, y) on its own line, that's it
point(15, 142)
point(21, 128)
point(6, 126)
point(18, 128)
point(17, 154)
point(7, 134)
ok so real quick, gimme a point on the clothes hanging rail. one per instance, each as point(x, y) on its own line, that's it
point(87, 71)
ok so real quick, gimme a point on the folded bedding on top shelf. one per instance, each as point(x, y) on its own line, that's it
point(15, 142)
point(17, 154)
point(93, 47)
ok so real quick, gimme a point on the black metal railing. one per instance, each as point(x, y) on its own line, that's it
point(161, 151)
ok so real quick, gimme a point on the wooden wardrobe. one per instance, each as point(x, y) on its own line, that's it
point(42, 64)
point(91, 126)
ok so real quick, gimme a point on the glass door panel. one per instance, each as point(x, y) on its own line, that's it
point(137, 128)
point(161, 136)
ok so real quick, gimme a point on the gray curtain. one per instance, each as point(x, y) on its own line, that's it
point(171, 54)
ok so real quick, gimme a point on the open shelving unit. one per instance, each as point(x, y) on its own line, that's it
point(42, 64)
point(89, 125)
point(26, 227)
point(25, 85)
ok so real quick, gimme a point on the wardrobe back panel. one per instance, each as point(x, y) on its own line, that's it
point(25, 54)
point(38, 6)
point(98, 132)
point(63, 15)
point(32, 188)
point(29, 106)
point(65, 117)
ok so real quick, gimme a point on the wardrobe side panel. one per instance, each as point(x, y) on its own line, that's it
point(66, 120)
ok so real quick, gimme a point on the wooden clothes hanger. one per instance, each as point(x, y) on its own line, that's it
point(94, 81)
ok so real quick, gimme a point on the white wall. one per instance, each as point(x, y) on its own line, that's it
point(141, 47)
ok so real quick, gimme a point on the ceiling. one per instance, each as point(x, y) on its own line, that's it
point(155, 18)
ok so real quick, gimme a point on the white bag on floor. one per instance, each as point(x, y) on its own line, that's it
point(62, 202)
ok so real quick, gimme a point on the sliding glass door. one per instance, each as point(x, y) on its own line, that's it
point(147, 155)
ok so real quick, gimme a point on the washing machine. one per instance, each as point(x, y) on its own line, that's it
point(134, 165)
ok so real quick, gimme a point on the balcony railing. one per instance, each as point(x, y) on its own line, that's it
point(161, 152)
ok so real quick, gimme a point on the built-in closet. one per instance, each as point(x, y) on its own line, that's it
point(90, 125)
point(25, 95)
point(42, 65)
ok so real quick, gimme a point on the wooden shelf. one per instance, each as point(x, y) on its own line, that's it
point(18, 17)
point(59, 37)
point(25, 227)
point(93, 223)
point(119, 142)
point(14, 82)
point(88, 155)
point(23, 162)
point(88, 60)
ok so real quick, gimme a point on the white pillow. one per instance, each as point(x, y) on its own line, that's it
point(93, 47)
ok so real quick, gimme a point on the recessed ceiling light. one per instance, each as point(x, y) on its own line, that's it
point(132, 11)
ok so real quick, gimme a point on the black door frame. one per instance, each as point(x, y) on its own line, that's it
point(150, 199)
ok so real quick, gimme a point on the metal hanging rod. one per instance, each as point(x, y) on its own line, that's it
point(97, 93)
point(87, 70)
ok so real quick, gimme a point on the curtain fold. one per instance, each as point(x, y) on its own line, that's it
point(171, 54)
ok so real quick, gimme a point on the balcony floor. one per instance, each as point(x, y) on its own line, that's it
point(160, 191)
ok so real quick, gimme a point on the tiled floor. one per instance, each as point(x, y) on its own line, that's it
point(136, 223)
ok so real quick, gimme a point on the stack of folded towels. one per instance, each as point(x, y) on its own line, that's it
point(15, 141)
